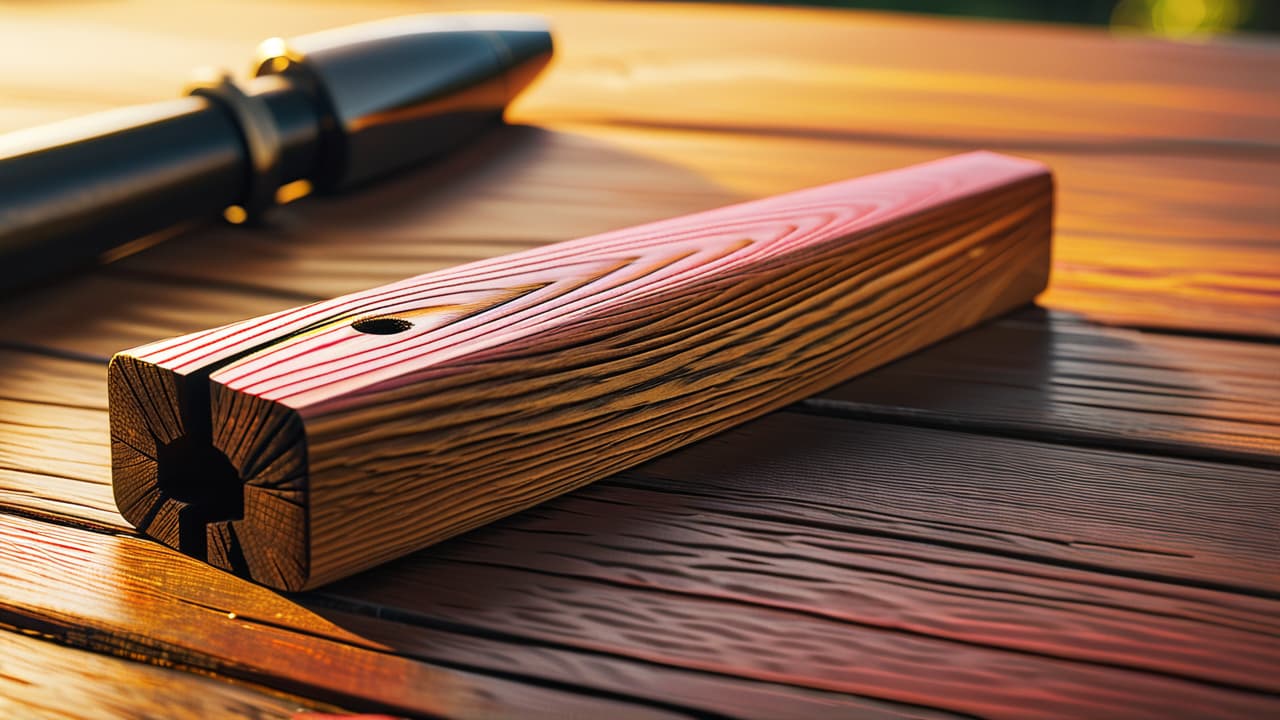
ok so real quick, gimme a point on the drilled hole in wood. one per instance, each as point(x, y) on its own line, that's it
point(382, 325)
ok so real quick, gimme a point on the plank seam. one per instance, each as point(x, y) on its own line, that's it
point(1230, 148)
point(933, 420)
point(967, 547)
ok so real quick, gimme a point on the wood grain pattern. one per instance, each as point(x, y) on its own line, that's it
point(41, 680)
point(869, 572)
point(1052, 376)
point(1016, 569)
point(1148, 241)
point(1219, 545)
point(355, 447)
point(129, 597)
point(1117, 512)
point(1165, 152)
point(668, 66)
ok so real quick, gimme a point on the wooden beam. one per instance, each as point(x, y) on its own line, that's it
point(304, 446)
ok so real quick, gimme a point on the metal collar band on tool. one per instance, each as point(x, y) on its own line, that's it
point(258, 130)
point(341, 108)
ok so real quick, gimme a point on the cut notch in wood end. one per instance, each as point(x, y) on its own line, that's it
point(184, 472)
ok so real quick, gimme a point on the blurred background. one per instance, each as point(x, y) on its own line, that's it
point(1186, 19)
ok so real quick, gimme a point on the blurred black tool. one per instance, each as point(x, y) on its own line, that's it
point(329, 110)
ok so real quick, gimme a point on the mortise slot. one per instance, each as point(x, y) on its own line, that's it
point(199, 474)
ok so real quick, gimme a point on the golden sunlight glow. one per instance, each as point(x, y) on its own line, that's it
point(272, 47)
point(1181, 18)
point(275, 53)
point(235, 215)
point(295, 190)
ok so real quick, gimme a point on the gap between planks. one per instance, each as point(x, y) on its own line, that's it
point(40, 678)
point(1259, 151)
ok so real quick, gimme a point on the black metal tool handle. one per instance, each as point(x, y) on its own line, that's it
point(336, 108)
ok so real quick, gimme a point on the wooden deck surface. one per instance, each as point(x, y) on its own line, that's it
point(1073, 511)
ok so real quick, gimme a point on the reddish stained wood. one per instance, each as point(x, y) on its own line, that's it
point(634, 611)
point(361, 428)
point(719, 245)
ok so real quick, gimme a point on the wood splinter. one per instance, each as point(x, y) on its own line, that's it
point(304, 446)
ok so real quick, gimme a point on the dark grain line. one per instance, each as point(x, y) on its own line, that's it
point(60, 354)
point(1209, 334)
point(1014, 430)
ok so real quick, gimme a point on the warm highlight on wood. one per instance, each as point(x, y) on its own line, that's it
point(304, 446)
point(1063, 513)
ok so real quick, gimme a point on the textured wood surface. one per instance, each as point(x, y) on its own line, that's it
point(143, 600)
point(1052, 376)
point(889, 571)
point(341, 434)
point(1166, 153)
point(1091, 531)
point(40, 680)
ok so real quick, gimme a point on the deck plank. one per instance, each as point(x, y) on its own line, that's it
point(44, 681)
point(821, 71)
point(1044, 375)
point(1050, 376)
point(127, 596)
